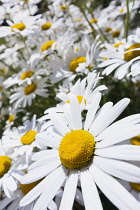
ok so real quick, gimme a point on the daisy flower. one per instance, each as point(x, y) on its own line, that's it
point(73, 63)
point(13, 202)
point(121, 59)
point(10, 171)
point(22, 24)
point(23, 139)
point(84, 90)
point(88, 151)
point(26, 93)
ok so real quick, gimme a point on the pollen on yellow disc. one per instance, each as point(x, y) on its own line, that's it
point(46, 26)
point(19, 26)
point(25, 188)
point(78, 19)
point(3, 70)
point(121, 10)
point(11, 118)
point(63, 7)
point(1, 88)
point(132, 54)
point(108, 29)
point(76, 149)
point(118, 44)
point(47, 45)
point(5, 163)
point(30, 89)
point(136, 140)
point(75, 63)
point(26, 74)
point(105, 58)
point(116, 33)
point(94, 20)
point(80, 98)
point(135, 186)
point(29, 137)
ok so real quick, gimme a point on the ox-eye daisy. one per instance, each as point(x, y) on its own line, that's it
point(26, 93)
point(84, 90)
point(87, 151)
point(121, 59)
point(10, 171)
point(13, 202)
point(23, 139)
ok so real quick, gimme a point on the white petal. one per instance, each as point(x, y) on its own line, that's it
point(40, 172)
point(113, 190)
point(44, 153)
point(69, 191)
point(119, 169)
point(90, 192)
point(96, 125)
point(116, 137)
point(53, 185)
point(123, 123)
point(48, 140)
point(114, 112)
point(76, 112)
point(59, 124)
point(92, 110)
point(121, 152)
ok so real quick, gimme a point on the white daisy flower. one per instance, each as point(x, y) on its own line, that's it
point(13, 202)
point(10, 171)
point(87, 151)
point(73, 63)
point(22, 24)
point(84, 90)
point(26, 93)
point(121, 59)
point(23, 139)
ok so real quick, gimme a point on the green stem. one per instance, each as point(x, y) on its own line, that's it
point(127, 20)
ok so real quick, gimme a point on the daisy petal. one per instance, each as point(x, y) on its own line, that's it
point(55, 181)
point(92, 110)
point(112, 188)
point(119, 169)
point(121, 152)
point(69, 191)
point(76, 113)
point(40, 172)
point(89, 188)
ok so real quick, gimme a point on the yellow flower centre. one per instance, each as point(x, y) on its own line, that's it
point(80, 98)
point(116, 33)
point(3, 70)
point(28, 137)
point(19, 26)
point(76, 149)
point(136, 140)
point(121, 10)
point(5, 163)
point(95, 20)
point(75, 63)
point(25, 188)
point(132, 54)
point(47, 45)
point(108, 29)
point(1, 88)
point(46, 26)
point(11, 118)
point(30, 89)
point(63, 7)
point(26, 74)
point(118, 44)
point(78, 19)
point(105, 58)
point(135, 186)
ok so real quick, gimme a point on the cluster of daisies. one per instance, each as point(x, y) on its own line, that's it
point(61, 144)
